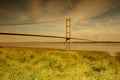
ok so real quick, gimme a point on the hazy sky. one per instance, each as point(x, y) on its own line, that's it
point(91, 19)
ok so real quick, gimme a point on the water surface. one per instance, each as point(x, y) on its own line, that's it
point(109, 47)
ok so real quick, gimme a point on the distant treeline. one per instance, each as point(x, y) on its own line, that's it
point(100, 42)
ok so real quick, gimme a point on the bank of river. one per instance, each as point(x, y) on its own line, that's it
point(112, 48)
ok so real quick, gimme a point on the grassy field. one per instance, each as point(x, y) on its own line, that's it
point(46, 64)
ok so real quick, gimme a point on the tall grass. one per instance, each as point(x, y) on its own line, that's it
point(46, 64)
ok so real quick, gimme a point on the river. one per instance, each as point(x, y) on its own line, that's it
point(112, 48)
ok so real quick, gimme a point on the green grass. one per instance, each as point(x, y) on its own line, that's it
point(46, 64)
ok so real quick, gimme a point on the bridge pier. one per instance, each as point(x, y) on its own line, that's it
point(68, 34)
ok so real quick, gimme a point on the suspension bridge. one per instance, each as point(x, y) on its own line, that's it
point(67, 36)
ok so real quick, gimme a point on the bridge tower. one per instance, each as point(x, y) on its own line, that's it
point(68, 34)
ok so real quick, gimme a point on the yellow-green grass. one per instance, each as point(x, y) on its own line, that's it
point(47, 64)
point(118, 56)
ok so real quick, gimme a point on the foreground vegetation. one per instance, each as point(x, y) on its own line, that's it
point(46, 64)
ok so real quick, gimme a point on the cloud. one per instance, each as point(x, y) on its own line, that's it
point(12, 10)
point(38, 9)
point(81, 12)
point(89, 8)
point(106, 33)
point(76, 9)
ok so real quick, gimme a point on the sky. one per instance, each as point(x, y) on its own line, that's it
point(90, 19)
